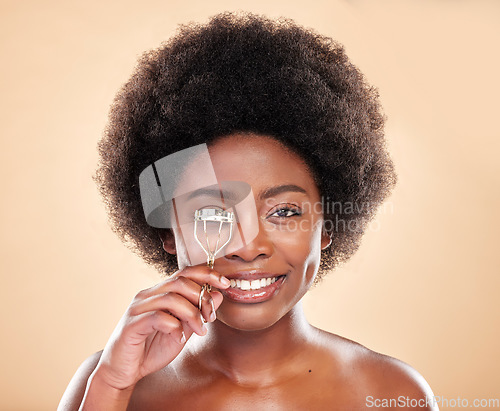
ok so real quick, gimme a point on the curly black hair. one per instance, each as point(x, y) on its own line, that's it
point(243, 72)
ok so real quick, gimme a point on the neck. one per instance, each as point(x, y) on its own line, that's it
point(260, 357)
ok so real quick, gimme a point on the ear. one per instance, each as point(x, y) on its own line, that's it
point(326, 239)
point(168, 240)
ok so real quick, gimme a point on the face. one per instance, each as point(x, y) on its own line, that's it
point(280, 262)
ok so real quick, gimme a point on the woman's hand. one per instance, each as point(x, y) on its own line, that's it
point(156, 326)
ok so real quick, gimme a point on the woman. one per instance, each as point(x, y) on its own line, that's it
point(282, 110)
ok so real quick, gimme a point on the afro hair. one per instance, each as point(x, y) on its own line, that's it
point(243, 72)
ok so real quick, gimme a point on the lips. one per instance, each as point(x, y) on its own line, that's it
point(253, 284)
point(253, 287)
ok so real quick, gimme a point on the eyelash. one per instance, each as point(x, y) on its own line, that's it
point(286, 207)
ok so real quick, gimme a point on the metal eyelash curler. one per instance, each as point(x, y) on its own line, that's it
point(212, 215)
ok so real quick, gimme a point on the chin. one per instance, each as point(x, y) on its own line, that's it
point(250, 317)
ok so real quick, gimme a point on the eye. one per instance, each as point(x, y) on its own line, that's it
point(285, 211)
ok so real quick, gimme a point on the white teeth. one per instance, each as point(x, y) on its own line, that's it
point(255, 284)
point(252, 285)
point(245, 285)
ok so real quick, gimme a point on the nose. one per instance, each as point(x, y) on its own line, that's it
point(260, 247)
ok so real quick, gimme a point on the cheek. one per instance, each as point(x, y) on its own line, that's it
point(300, 247)
point(183, 259)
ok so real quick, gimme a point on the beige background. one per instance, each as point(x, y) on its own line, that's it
point(424, 286)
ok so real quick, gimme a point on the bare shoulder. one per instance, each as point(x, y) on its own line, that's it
point(383, 381)
point(73, 395)
point(397, 381)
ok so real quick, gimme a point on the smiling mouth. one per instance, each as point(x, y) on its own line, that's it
point(254, 291)
point(253, 284)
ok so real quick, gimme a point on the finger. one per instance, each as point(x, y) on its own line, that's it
point(204, 275)
point(198, 274)
point(186, 287)
point(210, 304)
point(175, 304)
point(217, 298)
point(207, 305)
point(140, 327)
point(188, 331)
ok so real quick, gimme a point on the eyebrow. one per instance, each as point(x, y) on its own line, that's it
point(285, 188)
point(267, 193)
point(212, 192)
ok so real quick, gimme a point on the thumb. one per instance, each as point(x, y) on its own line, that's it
point(217, 297)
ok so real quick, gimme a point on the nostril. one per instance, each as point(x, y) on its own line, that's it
point(246, 257)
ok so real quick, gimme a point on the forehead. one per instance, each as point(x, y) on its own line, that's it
point(261, 162)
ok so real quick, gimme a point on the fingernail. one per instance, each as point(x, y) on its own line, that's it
point(183, 338)
point(225, 281)
point(204, 329)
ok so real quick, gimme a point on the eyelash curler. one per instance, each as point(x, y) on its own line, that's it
point(211, 215)
point(217, 216)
